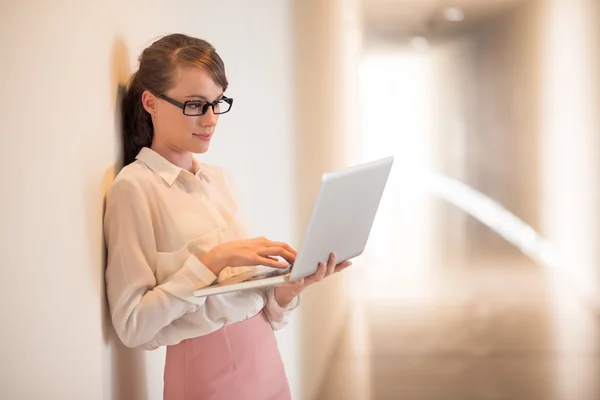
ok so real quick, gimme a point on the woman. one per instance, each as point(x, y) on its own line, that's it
point(172, 225)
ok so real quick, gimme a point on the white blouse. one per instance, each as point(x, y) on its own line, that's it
point(159, 220)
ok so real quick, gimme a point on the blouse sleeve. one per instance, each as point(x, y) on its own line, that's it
point(139, 307)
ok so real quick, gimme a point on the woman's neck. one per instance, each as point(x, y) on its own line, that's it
point(181, 159)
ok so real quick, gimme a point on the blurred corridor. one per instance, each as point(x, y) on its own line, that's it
point(494, 95)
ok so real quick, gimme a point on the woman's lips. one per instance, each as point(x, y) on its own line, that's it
point(203, 136)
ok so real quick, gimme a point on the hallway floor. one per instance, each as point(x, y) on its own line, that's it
point(486, 331)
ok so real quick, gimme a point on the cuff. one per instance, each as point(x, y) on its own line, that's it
point(192, 275)
point(198, 273)
point(279, 316)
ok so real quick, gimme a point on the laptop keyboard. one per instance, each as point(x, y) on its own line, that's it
point(270, 274)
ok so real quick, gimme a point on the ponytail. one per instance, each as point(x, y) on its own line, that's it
point(137, 128)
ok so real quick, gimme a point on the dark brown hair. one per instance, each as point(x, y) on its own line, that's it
point(157, 64)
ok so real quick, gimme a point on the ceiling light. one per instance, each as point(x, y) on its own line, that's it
point(454, 14)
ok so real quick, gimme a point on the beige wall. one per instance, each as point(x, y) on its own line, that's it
point(570, 145)
point(570, 182)
point(61, 65)
point(325, 82)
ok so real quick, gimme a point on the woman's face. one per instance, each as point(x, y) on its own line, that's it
point(176, 131)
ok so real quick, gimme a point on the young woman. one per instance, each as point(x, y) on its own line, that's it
point(172, 225)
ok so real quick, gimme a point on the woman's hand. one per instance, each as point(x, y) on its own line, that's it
point(285, 293)
point(241, 253)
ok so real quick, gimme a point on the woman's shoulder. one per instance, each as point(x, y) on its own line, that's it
point(131, 177)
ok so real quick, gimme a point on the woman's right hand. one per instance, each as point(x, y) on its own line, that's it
point(248, 252)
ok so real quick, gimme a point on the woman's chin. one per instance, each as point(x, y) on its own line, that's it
point(202, 148)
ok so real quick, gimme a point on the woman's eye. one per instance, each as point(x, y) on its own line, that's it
point(195, 105)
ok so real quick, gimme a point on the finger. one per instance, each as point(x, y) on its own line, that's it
point(321, 272)
point(342, 266)
point(283, 245)
point(309, 280)
point(331, 264)
point(273, 258)
point(278, 251)
point(273, 252)
point(270, 262)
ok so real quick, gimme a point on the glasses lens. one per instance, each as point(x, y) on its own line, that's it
point(221, 107)
point(194, 107)
point(199, 107)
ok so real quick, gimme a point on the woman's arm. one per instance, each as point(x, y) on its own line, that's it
point(278, 314)
point(139, 307)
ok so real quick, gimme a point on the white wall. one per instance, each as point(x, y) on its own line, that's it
point(61, 64)
point(60, 70)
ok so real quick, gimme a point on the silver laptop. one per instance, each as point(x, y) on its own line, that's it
point(341, 221)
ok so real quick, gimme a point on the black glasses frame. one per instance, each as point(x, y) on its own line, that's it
point(212, 105)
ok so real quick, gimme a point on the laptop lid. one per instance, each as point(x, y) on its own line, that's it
point(342, 215)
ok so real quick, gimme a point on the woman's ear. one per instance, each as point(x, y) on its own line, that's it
point(149, 102)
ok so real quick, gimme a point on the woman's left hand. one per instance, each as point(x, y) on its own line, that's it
point(285, 293)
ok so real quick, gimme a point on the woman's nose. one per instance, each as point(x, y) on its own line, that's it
point(209, 118)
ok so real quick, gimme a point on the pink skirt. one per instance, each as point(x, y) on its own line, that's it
point(238, 362)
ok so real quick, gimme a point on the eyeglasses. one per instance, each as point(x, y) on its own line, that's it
point(198, 107)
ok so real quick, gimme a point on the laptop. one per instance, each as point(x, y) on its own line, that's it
point(340, 222)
